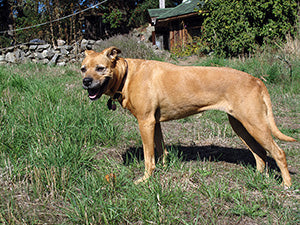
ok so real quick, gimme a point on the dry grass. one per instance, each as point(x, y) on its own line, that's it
point(292, 47)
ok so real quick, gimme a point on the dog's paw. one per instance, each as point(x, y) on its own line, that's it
point(141, 180)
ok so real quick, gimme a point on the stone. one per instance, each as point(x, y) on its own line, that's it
point(42, 52)
point(75, 49)
point(11, 57)
point(64, 51)
point(44, 61)
point(60, 42)
point(48, 53)
point(61, 64)
point(91, 42)
point(38, 41)
point(29, 54)
point(24, 47)
point(10, 49)
point(73, 61)
point(20, 55)
point(38, 55)
point(83, 44)
point(72, 56)
point(99, 42)
point(54, 59)
point(32, 47)
point(45, 54)
point(68, 47)
point(40, 48)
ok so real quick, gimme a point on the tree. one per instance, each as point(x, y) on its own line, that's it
point(139, 15)
point(27, 13)
point(118, 16)
point(6, 23)
point(124, 15)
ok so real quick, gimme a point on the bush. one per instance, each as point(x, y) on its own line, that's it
point(238, 27)
point(195, 46)
point(4, 42)
point(130, 47)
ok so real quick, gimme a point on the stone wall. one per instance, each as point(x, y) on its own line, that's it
point(40, 52)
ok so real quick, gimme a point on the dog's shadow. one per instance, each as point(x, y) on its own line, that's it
point(213, 153)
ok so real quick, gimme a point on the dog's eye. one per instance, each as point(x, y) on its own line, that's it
point(83, 69)
point(100, 68)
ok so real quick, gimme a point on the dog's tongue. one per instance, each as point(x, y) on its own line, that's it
point(93, 93)
point(92, 96)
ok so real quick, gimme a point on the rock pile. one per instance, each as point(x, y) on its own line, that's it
point(41, 52)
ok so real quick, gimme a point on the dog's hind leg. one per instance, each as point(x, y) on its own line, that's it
point(258, 128)
point(159, 144)
point(258, 151)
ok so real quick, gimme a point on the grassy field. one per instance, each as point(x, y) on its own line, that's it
point(56, 147)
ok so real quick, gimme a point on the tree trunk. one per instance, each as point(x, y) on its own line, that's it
point(58, 15)
point(51, 24)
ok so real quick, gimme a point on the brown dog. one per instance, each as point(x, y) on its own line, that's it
point(157, 91)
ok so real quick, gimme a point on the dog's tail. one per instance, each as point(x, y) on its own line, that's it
point(275, 131)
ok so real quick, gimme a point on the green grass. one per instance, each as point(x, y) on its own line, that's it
point(56, 146)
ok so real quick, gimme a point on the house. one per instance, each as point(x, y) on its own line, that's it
point(173, 27)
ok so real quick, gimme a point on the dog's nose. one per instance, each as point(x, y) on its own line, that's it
point(87, 81)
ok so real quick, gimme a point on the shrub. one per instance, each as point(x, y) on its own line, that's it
point(130, 47)
point(195, 46)
point(238, 27)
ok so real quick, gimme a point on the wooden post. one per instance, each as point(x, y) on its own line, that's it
point(171, 39)
point(153, 38)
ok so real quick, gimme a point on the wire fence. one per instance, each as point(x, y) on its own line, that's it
point(56, 20)
point(53, 30)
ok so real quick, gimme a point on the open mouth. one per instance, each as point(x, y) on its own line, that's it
point(96, 92)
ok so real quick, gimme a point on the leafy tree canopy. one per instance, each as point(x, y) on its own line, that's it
point(119, 16)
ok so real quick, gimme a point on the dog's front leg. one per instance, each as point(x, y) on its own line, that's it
point(159, 144)
point(147, 133)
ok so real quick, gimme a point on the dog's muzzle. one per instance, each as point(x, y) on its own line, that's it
point(95, 88)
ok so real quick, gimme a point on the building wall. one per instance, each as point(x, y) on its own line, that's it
point(178, 32)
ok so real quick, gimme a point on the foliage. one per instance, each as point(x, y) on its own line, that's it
point(238, 26)
point(5, 41)
point(28, 13)
point(130, 47)
point(195, 46)
point(30, 16)
point(139, 15)
point(115, 17)
point(124, 15)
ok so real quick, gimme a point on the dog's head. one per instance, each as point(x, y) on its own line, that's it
point(98, 71)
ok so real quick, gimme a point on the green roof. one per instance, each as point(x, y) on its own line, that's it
point(186, 7)
point(157, 12)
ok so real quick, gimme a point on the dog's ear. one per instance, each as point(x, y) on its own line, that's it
point(89, 52)
point(112, 53)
